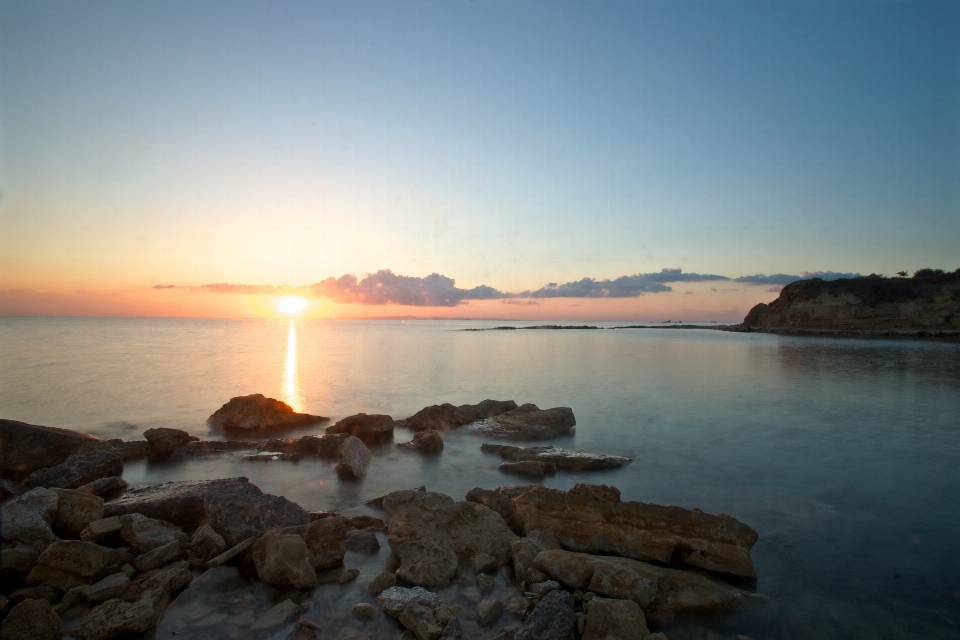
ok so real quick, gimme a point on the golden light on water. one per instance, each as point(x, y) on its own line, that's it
point(291, 305)
point(291, 384)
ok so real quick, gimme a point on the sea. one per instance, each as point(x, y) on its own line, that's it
point(843, 454)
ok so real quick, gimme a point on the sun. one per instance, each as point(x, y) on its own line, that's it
point(291, 305)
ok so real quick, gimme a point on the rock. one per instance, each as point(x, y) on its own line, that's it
point(112, 586)
point(365, 611)
point(507, 634)
point(31, 620)
point(43, 592)
point(18, 561)
point(353, 459)
point(146, 534)
point(158, 557)
point(453, 630)
point(430, 533)
point(283, 560)
point(528, 422)
point(382, 582)
point(231, 553)
point(216, 586)
point(27, 518)
point(238, 511)
point(661, 592)
point(655, 636)
point(500, 501)
point(76, 471)
point(485, 582)
point(348, 576)
point(279, 615)
point(99, 529)
point(207, 543)
point(559, 457)
point(428, 441)
point(25, 448)
point(75, 510)
point(181, 503)
point(541, 589)
point(168, 580)
point(371, 429)
point(364, 523)
point(395, 599)
point(71, 563)
point(591, 519)
point(325, 539)
point(554, 618)
point(106, 488)
point(362, 541)
point(484, 562)
point(613, 619)
point(116, 617)
point(207, 448)
point(529, 468)
point(164, 441)
point(325, 446)
point(420, 620)
point(259, 413)
point(271, 457)
point(489, 611)
point(444, 614)
point(133, 450)
point(447, 416)
point(525, 550)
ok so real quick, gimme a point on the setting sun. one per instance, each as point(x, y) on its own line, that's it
point(291, 304)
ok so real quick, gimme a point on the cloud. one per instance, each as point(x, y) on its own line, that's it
point(784, 279)
point(385, 287)
point(520, 302)
point(622, 287)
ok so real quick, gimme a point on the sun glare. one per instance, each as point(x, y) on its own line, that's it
point(291, 305)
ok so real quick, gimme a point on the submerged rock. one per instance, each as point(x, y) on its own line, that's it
point(207, 448)
point(528, 422)
point(325, 446)
point(561, 458)
point(353, 459)
point(76, 471)
point(369, 428)
point(259, 413)
point(554, 618)
point(28, 447)
point(428, 441)
point(529, 468)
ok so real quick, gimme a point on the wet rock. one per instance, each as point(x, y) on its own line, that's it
point(31, 620)
point(158, 557)
point(325, 539)
point(525, 550)
point(529, 468)
point(353, 459)
point(325, 446)
point(207, 543)
point(348, 576)
point(116, 617)
point(420, 620)
point(485, 582)
point(365, 611)
point(43, 592)
point(541, 589)
point(428, 441)
point(217, 585)
point(208, 448)
point(106, 488)
point(382, 582)
point(168, 580)
point(75, 510)
point(272, 457)
point(112, 586)
point(238, 511)
point(561, 458)
point(554, 618)
point(661, 592)
point(592, 519)
point(608, 618)
point(371, 429)
point(528, 422)
point(100, 529)
point(365, 523)
point(76, 471)
point(484, 562)
point(395, 599)
point(164, 441)
point(489, 611)
point(181, 503)
point(27, 518)
point(28, 447)
point(71, 563)
point(284, 561)
point(259, 413)
point(18, 561)
point(279, 615)
point(430, 534)
point(447, 416)
point(362, 541)
point(146, 534)
point(453, 630)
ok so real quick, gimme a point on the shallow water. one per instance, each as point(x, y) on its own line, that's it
point(842, 454)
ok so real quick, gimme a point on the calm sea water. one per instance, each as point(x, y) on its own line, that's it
point(843, 454)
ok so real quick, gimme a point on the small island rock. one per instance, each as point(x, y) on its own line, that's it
point(256, 412)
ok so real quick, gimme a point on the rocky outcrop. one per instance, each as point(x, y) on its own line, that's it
point(561, 458)
point(76, 471)
point(164, 441)
point(353, 459)
point(428, 441)
point(447, 416)
point(369, 428)
point(431, 535)
point(592, 519)
point(25, 448)
point(528, 422)
point(259, 413)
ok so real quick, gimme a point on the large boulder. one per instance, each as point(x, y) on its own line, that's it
point(164, 441)
point(554, 618)
point(608, 618)
point(27, 518)
point(428, 441)
point(528, 422)
point(75, 510)
point(369, 428)
point(661, 592)
point(259, 413)
point(325, 446)
point(353, 459)
point(32, 619)
point(283, 560)
point(72, 563)
point(447, 416)
point(77, 470)
point(181, 503)
point(326, 540)
point(592, 519)
point(25, 448)
point(431, 535)
point(558, 456)
point(238, 511)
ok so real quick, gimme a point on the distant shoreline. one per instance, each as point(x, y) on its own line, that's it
point(916, 334)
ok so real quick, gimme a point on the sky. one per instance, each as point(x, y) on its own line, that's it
point(552, 160)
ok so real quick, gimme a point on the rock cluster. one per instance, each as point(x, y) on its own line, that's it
point(446, 416)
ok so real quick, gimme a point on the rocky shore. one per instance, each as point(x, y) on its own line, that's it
point(85, 556)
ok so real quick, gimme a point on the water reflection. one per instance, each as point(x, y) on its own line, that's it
point(291, 383)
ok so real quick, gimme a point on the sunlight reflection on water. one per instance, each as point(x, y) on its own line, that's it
point(291, 384)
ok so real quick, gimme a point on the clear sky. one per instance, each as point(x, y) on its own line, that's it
point(507, 145)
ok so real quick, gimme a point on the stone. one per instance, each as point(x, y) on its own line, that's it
point(112, 586)
point(106, 488)
point(364, 523)
point(453, 630)
point(271, 457)
point(133, 450)
point(420, 620)
point(353, 459)
point(99, 529)
point(430, 534)
point(592, 519)
point(371, 429)
point(661, 592)
point(207, 543)
point(216, 585)
point(525, 550)
point(365, 611)
point(70, 563)
point(259, 413)
point(146, 534)
point(428, 441)
point(168, 580)
point(554, 618)
point(489, 611)
point(18, 561)
point(180, 503)
point(280, 615)
point(322, 446)
point(362, 541)
point(163, 441)
point(158, 557)
point(444, 614)
point(325, 539)
point(348, 576)
point(559, 457)
point(395, 599)
point(27, 448)
point(76, 471)
point(75, 510)
point(382, 582)
point(116, 617)
point(238, 511)
point(484, 562)
point(231, 553)
point(507, 634)
point(283, 560)
point(27, 518)
point(529, 468)
point(614, 619)
point(43, 592)
point(541, 589)
point(7, 489)
point(31, 620)
point(70, 598)
point(528, 422)
point(485, 582)
point(655, 636)
point(447, 416)
point(207, 448)
point(500, 501)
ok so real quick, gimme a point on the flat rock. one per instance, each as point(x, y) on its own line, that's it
point(353, 459)
point(283, 560)
point(554, 618)
point(323, 446)
point(592, 519)
point(164, 441)
point(259, 413)
point(116, 617)
point(395, 599)
point(76, 471)
point(427, 441)
point(181, 503)
point(238, 511)
point(100, 529)
point(112, 586)
point(369, 428)
point(71, 563)
point(558, 456)
point(146, 534)
point(27, 519)
point(208, 448)
point(158, 557)
point(43, 592)
point(31, 620)
point(168, 580)
point(28, 447)
point(528, 422)
point(106, 488)
point(430, 534)
point(529, 468)
point(607, 618)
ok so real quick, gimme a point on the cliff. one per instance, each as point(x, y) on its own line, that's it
point(927, 302)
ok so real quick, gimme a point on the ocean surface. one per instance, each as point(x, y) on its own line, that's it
point(843, 454)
